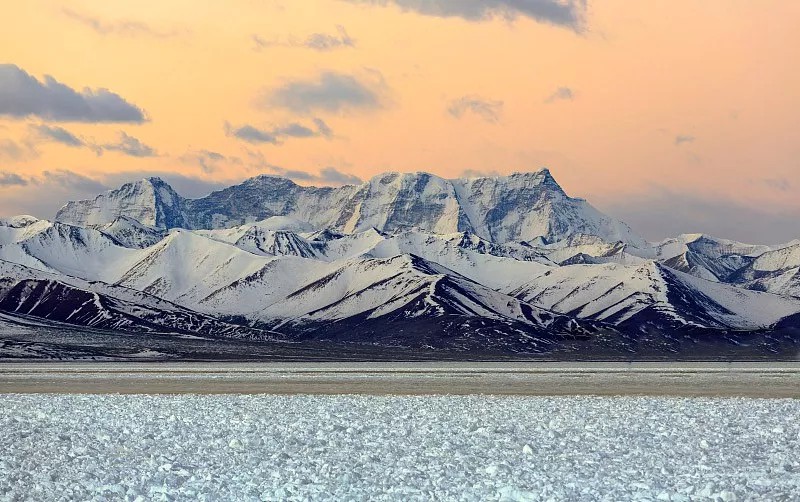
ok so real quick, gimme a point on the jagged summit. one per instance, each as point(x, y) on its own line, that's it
point(514, 208)
point(151, 201)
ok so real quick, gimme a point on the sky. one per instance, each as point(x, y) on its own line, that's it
point(676, 116)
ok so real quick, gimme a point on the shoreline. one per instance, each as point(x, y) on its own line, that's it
point(766, 380)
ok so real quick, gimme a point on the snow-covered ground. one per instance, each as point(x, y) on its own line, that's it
point(194, 447)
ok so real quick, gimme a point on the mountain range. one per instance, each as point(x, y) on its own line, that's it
point(505, 265)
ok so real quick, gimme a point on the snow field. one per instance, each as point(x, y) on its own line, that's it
point(194, 447)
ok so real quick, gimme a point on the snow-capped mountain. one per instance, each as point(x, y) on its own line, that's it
point(483, 265)
point(516, 208)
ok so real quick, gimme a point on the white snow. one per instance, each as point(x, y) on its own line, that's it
point(261, 447)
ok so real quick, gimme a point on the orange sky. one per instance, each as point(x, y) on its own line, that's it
point(667, 97)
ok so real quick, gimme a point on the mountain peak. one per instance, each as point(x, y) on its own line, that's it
point(519, 207)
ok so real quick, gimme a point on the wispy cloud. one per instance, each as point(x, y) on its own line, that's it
point(124, 27)
point(330, 92)
point(780, 184)
point(681, 139)
point(11, 179)
point(336, 177)
point(322, 42)
point(480, 173)
point(209, 161)
point(325, 176)
point(126, 144)
point(488, 110)
point(560, 94)
point(72, 180)
point(57, 134)
point(22, 95)
point(17, 152)
point(565, 13)
point(276, 135)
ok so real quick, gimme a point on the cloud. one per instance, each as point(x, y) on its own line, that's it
point(11, 179)
point(683, 138)
point(209, 161)
point(479, 173)
point(57, 134)
point(486, 109)
point(561, 94)
point(566, 13)
point(124, 27)
point(127, 145)
point(322, 42)
point(71, 180)
point(251, 134)
point(330, 92)
point(43, 195)
point(780, 184)
point(22, 95)
point(275, 135)
point(662, 213)
point(334, 176)
point(326, 176)
point(130, 146)
point(11, 150)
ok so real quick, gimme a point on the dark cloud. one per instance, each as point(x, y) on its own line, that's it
point(22, 95)
point(330, 92)
point(317, 41)
point(683, 138)
point(130, 146)
point(123, 27)
point(58, 135)
point(561, 94)
point(566, 13)
point(275, 135)
point(486, 109)
point(11, 179)
point(663, 213)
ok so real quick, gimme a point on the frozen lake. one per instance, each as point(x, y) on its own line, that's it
point(262, 447)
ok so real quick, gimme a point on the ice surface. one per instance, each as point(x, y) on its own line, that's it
point(195, 447)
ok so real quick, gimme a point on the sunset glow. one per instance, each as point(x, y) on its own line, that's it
point(635, 106)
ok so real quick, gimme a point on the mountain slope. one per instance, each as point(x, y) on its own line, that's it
point(616, 294)
point(51, 296)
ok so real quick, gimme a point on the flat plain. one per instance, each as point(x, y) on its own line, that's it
point(776, 380)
